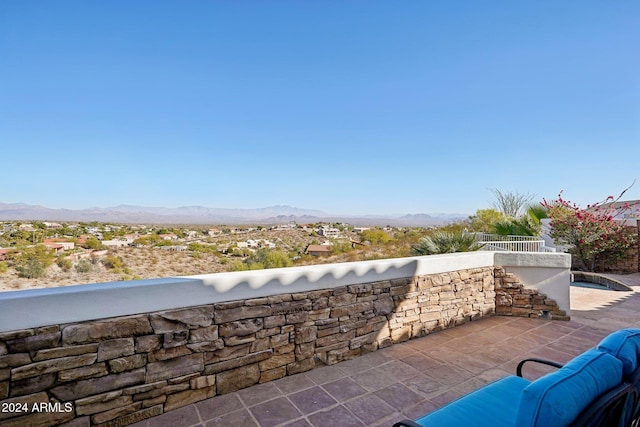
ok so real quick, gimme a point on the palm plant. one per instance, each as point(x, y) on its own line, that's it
point(446, 242)
point(525, 225)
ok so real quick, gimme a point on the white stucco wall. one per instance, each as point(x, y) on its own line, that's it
point(547, 272)
point(41, 307)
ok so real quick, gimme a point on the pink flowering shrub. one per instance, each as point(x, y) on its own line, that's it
point(592, 235)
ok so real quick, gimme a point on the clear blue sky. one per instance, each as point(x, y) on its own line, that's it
point(351, 107)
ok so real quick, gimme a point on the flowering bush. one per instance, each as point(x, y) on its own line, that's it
point(592, 234)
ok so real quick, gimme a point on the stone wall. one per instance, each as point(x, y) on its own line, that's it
point(514, 299)
point(117, 371)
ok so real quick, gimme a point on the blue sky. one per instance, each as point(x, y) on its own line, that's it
point(350, 107)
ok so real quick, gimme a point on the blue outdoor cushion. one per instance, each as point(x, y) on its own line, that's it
point(625, 345)
point(494, 405)
point(556, 399)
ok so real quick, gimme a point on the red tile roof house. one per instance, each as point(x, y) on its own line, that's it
point(66, 245)
point(57, 247)
point(318, 250)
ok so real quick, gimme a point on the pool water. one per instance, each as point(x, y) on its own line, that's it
point(591, 285)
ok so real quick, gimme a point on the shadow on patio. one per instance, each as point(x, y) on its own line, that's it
point(409, 379)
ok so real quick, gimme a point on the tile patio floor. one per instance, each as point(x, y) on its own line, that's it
point(409, 379)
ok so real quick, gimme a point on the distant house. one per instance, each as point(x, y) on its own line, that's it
point(214, 231)
point(318, 250)
point(360, 229)
point(52, 224)
point(119, 243)
point(57, 247)
point(191, 234)
point(329, 232)
point(66, 245)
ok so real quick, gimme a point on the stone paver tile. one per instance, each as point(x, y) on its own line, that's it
point(492, 375)
point(259, 393)
point(274, 412)
point(399, 370)
point(374, 379)
point(520, 344)
point(472, 328)
point(446, 397)
point(474, 363)
point(431, 340)
point(185, 416)
point(422, 362)
point(449, 374)
point(325, 374)
point(495, 355)
point(218, 406)
point(237, 418)
point(297, 423)
point(571, 345)
point(334, 417)
point(552, 354)
point(399, 396)
point(417, 411)
point(363, 363)
point(398, 351)
point(459, 331)
point(143, 423)
point(468, 386)
point(442, 353)
point(511, 330)
point(344, 389)
point(312, 400)
point(369, 408)
point(386, 421)
point(426, 386)
point(294, 383)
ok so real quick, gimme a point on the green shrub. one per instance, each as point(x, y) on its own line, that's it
point(31, 269)
point(375, 236)
point(443, 242)
point(3, 267)
point(84, 266)
point(113, 262)
point(65, 264)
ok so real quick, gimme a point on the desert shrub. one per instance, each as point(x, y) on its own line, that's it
point(113, 262)
point(376, 236)
point(31, 269)
point(341, 246)
point(93, 243)
point(32, 262)
point(444, 242)
point(84, 266)
point(263, 258)
point(3, 267)
point(199, 247)
point(65, 264)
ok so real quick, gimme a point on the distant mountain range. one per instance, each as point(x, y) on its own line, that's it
point(203, 215)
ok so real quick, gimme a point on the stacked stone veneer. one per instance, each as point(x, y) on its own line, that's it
point(118, 371)
point(514, 299)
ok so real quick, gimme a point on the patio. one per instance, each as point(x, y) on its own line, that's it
point(406, 380)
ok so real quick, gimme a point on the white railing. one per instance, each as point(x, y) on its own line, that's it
point(495, 242)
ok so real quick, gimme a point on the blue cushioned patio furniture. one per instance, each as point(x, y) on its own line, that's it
point(600, 387)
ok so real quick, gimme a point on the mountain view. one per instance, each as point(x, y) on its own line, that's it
point(203, 215)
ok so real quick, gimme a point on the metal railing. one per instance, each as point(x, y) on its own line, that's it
point(495, 242)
